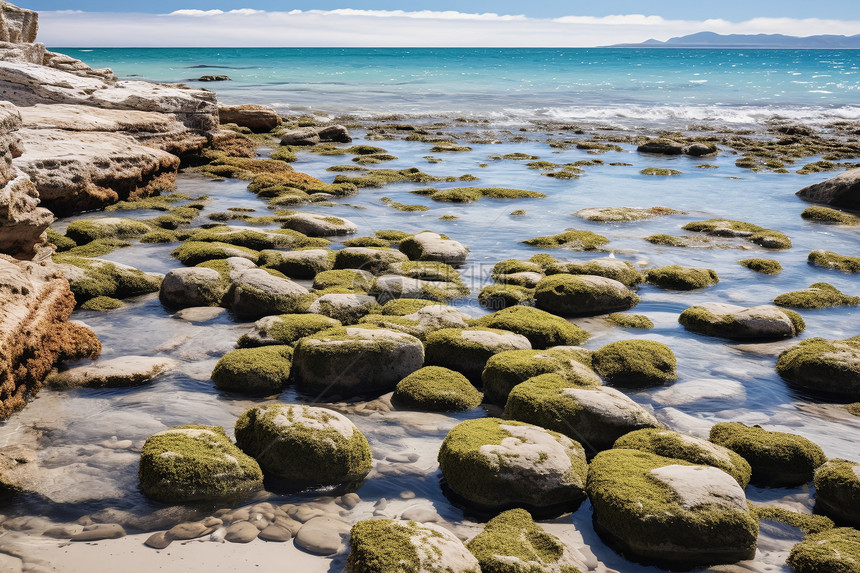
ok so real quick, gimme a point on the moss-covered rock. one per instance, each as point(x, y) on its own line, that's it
point(345, 307)
point(390, 287)
point(102, 304)
point(828, 215)
point(256, 293)
point(767, 238)
point(496, 297)
point(575, 240)
point(614, 269)
point(382, 177)
point(317, 225)
point(635, 363)
point(806, 522)
point(304, 445)
point(386, 546)
point(404, 306)
point(91, 278)
point(507, 369)
point(818, 295)
point(512, 543)
point(428, 246)
point(98, 248)
point(541, 328)
point(258, 240)
point(834, 261)
point(196, 463)
point(627, 320)
point(527, 279)
point(834, 551)
point(678, 446)
point(350, 280)
point(303, 264)
point(596, 416)
point(582, 295)
point(85, 230)
point(682, 278)
point(195, 286)
point(356, 359)
point(371, 259)
point(436, 389)
point(659, 171)
point(828, 366)
point(670, 511)
point(777, 459)
point(513, 266)
point(623, 214)
point(837, 491)
point(472, 194)
point(764, 266)
point(192, 253)
point(467, 350)
point(366, 242)
point(495, 464)
point(263, 370)
point(285, 329)
point(737, 322)
point(423, 321)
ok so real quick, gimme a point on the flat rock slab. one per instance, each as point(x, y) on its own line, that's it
point(116, 373)
point(316, 225)
point(99, 532)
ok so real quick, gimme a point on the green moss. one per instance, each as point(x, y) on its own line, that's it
point(518, 213)
point(854, 408)
point(472, 194)
point(372, 259)
point(625, 320)
point(635, 508)
point(366, 242)
point(707, 166)
point(682, 278)
point(283, 153)
point(448, 218)
point(382, 177)
point(404, 207)
point(436, 389)
point(764, 266)
point(449, 348)
point(354, 280)
point(668, 241)
point(806, 522)
point(541, 328)
point(777, 459)
point(506, 370)
point(449, 147)
point(86, 230)
point(511, 266)
point(514, 157)
point(102, 278)
point(263, 370)
point(155, 202)
point(191, 253)
point(700, 320)
point(622, 214)
point(818, 295)
point(673, 445)
point(391, 235)
point(833, 551)
point(659, 171)
point(512, 543)
point(766, 238)
point(286, 329)
point(543, 259)
point(837, 491)
point(62, 242)
point(196, 463)
point(405, 306)
point(313, 454)
point(635, 363)
point(292, 264)
point(621, 271)
point(102, 304)
point(823, 366)
point(828, 215)
point(495, 297)
point(98, 248)
point(576, 240)
point(259, 240)
point(818, 167)
point(833, 261)
point(386, 546)
point(579, 295)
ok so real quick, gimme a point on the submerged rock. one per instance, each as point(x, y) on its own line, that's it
point(382, 545)
point(737, 322)
point(582, 295)
point(196, 463)
point(120, 372)
point(304, 445)
point(777, 459)
point(828, 366)
point(467, 350)
point(494, 464)
point(670, 511)
point(263, 370)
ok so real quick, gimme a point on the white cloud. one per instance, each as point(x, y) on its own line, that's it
point(351, 27)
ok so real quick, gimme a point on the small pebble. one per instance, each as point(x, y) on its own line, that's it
point(403, 458)
point(349, 500)
point(407, 494)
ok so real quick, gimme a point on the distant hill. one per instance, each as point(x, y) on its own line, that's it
point(714, 40)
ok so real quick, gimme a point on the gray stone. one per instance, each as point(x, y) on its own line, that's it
point(257, 118)
point(346, 308)
point(188, 530)
point(317, 225)
point(192, 286)
point(428, 246)
point(322, 535)
point(840, 191)
point(116, 373)
point(256, 293)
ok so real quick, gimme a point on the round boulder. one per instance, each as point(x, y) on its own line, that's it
point(737, 322)
point(316, 225)
point(303, 264)
point(829, 366)
point(196, 463)
point(263, 370)
point(356, 359)
point(837, 491)
point(304, 445)
point(285, 329)
point(676, 277)
point(670, 511)
point(614, 269)
point(836, 550)
point(541, 328)
point(436, 389)
point(777, 459)
point(582, 295)
point(494, 464)
point(635, 363)
point(596, 417)
point(257, 293)
point(428, 246)
point(346, 308)
point(467, 350)
point(195, 286)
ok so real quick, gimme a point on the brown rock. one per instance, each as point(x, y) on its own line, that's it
point(257, 118)
point(840, 191)
point(322, 535)
point(100, 531)
point(17, 25)
point(241, 532)
point(158, 540)
point(189, 530)
point(276, 532)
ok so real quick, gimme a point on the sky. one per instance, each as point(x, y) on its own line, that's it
point(97, 23)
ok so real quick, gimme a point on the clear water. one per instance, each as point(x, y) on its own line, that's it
point(81, 434)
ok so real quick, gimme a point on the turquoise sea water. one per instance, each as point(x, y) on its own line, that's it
point(624, 86)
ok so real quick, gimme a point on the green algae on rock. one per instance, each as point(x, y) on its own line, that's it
point(404, 306)
point(777, 459)
point(833, 551)
point(834, 261)
point(837, 491)
point(676, 277)
point(506, 370)
point(594, 415)
point(659, 171)
point(767, 238)
point(635, 363)
point(828, 215)
point(192, 253)
point(102, 304)
point(513, 543)
point(301, 264)
point(827, 366)
point(86, 230)
point(621, 271)
point(494, 464)
point(818, 295)
point(285, 329)
point(382, 177)
point(353, 280)
point(670, 511)
point(258, 240)
point(679, 446)
point(627, 320)
point(572, 239)
point(97, 248)
point(371, 259)
point(737, 322)
point(513, 266)
point(472, 194)
point(263, 370)
point(854, 408)
point(436, 389)
point(496, 297)
point(541, 328)
point(672, 241)
point(764, 266)
point(387, 545)
point(806, 522)
point(467, 350)
point(582, 295)
point(196, 463)
point(304, 445)
point(91, 278)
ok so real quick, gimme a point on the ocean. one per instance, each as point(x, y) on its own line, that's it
point(624, 87)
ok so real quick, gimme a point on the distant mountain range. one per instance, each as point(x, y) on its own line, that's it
point(714, 40)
